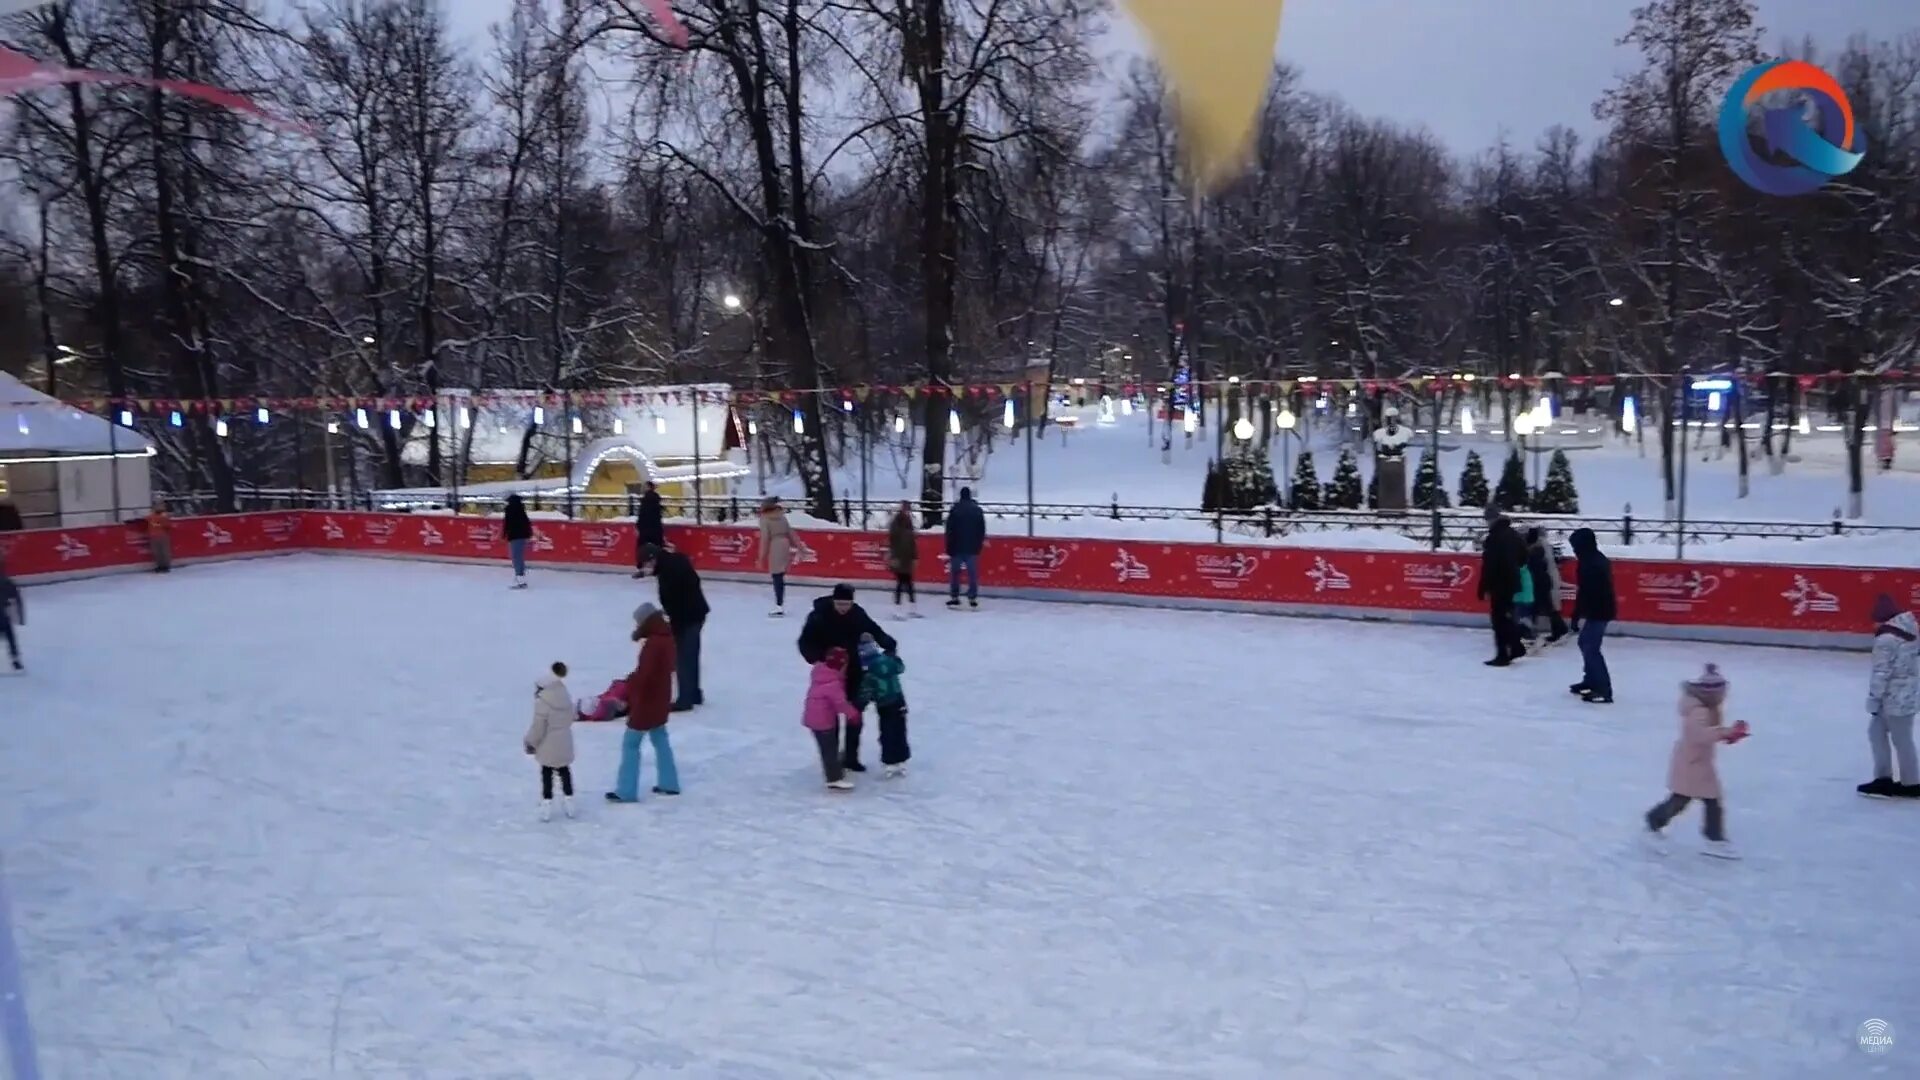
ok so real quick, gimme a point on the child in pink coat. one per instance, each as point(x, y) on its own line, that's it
point(1691, 775)
point(826, 704)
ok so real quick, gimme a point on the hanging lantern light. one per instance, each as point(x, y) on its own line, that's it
point(1243, 429)
point(219, 427)
point(262, 415)
point(1629, 416)
point(1007, 415)
point(619, 426)
point(174, 419)
point(1191, 422)
point(1286, 419)
point(539, 415)
point(360, 417)
point(466, 417)
point(953, 421)
point(333, 427)
point(900, 424)
point(126, 417)
point(579, 426)
point(1466, 419)
point(799, 422)
point(430, 418)
point(393, 419)
point(846, 404)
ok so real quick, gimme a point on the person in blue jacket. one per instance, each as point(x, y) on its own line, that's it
point(1593, 608)
point(966, 536)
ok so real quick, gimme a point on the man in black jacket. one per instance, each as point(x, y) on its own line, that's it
point(1503, 558)
point(685, 603)
point(649, 525)
point(1594, 607)
point(836, 621)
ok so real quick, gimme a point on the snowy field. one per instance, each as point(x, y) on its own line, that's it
point(271, 819)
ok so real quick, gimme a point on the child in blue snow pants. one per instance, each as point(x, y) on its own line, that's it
point(627, 784)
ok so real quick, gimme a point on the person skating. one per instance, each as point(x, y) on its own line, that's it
point(1502, 562)
point(1545, 572)
point(1523, 607)
point(13, 612)
point(881, 685)
point(550, 739)
point(160, 537)
point(685, 602)
point(1893, 695)
point(966, 538)
point(827, 704)
point(1594, 607)
point(649, 700)
point(903, 554)
point(776, 549)
point(649, 527)
point(837, 622)
point(517, 528)
point(1691, 773)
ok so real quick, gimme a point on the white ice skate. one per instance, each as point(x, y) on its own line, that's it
point(546, 809)
point(519, 583)
point(566, 806)
point(1720, 849)
point(895, 772)
point(1654, 840)
point(842, 784)
point(777, 613)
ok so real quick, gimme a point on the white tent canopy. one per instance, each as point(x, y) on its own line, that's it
point(33, 423)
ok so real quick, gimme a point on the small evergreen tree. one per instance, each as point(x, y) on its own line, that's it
point(1241, 482)
point(1473, 482)
point(1557, 495)
point(1344, 491)
point(1306, 483)
point(1512, 493)
point(1427, 488)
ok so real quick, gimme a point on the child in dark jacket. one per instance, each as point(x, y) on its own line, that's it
point(881, 685)
point(1594, 607)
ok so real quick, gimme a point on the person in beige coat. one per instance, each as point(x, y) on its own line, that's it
point(550, 739)
point(1690, 770)
point(776, 549)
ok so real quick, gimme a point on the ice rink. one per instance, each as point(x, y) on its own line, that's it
point(272, 819)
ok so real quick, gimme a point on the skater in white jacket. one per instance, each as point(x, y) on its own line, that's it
point(1893, 696)
point(550, 739)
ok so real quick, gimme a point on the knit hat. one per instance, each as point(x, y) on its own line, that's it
point(869, 648)
point(644, 614)
point(836, 658)
point(843, 592)
point(1710, 688)
point(1884, 608)
point(1492, 513)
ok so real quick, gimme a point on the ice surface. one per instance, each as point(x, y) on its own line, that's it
point(287, 831)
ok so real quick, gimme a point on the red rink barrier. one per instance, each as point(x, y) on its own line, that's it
point(1787, 604)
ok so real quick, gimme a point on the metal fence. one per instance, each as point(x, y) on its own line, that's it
point(1450, 530)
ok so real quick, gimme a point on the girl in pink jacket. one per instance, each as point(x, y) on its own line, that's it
point(826, 704)
point(1691, 775)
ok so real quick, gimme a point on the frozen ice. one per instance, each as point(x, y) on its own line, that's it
point(285, 829)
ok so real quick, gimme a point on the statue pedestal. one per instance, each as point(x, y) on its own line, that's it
point(1392, 475)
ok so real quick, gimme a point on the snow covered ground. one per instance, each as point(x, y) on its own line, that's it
point(271, 819)
point(1099, 464)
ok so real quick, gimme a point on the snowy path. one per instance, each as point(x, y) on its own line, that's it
point(283, 828)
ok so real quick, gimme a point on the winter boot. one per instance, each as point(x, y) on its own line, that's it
point(1503, 660)
point(1881, 787)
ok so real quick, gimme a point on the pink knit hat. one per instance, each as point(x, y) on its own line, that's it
point(1710, 688)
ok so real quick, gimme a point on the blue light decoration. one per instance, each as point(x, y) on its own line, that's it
point(175, 418)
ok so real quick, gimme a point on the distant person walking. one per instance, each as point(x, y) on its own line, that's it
point(1594, 607)
point(966, 538)
point(517, 528)
point(776, 549)
point(13, 611)
point(903, 554)
point(649, 527)
point(1545, 571)
point(685, 602)
point(1503, 560)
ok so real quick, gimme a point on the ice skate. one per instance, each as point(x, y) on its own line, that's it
point(1881, 787)
point(1655, 841)
point(954, 604)
point(664, 791)
point(566, 806)
point(895, 772)
point(973, 605)
point(853, 766)
point(1720, 849)
point(17, 665)
point(614, 796)
point(842, 784)
point(777, 613)
point(1592, 698)
point(546, 809)
point(1579, 689)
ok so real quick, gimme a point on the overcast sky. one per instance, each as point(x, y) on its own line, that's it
point(1470, 70)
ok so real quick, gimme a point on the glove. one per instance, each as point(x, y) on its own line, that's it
point(1739, 731)
point(529, 749)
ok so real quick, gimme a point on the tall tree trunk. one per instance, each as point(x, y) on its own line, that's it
point(924, 27)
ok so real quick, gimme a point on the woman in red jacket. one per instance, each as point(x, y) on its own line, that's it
point(649, 701)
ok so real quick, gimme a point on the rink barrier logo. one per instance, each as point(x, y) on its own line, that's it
point(331, 530)
point(430, 536)
point(1437, 581)
point(1816, 154)
point(1227, 573)
point(1040, 563)
point(380, 530)
point(1126, 567)
point(1876, 1036)
point(1327, 577)
point(600, 543)
point(481, 536)
point(215, 536)
point(280, 530)
point(730, 547)
point(1677, 592)
point(1807, 595)
point(71, 549)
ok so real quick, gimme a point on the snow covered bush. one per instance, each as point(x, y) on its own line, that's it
point(1473, 482)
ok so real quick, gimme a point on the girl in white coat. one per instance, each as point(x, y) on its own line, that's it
point(550, 739)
